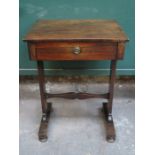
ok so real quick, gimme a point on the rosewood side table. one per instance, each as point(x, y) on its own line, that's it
point(52, 40)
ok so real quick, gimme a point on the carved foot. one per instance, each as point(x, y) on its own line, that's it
point(44, 124)
point(110, 128)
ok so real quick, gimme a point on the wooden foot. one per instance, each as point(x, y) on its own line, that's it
point(110, 128)
point(44, 124)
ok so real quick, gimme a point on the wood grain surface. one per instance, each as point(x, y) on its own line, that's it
point(107, 30)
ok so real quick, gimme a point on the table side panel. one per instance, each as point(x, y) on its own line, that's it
point(121, 50)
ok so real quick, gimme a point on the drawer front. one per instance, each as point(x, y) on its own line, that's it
point(76, 51)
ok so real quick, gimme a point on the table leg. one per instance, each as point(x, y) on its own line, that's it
point(46, 107)
point(107, 107)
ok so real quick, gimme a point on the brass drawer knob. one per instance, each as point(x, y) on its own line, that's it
point(76, 50)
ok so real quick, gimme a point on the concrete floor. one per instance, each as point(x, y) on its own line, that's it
point(76, 126)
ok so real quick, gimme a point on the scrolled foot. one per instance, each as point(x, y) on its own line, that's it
point(42, 135)
point(110, 131)
point(110, 128)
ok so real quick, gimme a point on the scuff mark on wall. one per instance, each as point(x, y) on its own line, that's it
point(36, 10)
point(42, 13)
point(84, 10)
point(78, 10)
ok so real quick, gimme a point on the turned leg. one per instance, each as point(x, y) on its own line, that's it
point(46, 107)
point(107, 107)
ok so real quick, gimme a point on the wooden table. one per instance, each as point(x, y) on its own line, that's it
point(52, 40)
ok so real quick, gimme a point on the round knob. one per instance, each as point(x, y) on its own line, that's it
point(76, 50)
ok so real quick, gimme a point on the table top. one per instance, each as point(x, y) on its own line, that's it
point(57, 30)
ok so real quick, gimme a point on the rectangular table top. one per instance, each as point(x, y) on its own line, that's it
point(64, 30)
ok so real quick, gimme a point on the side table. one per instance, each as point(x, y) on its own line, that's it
point(70, 40)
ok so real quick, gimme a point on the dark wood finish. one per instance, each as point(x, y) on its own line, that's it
point(76, 40)
point(87, 51)
point(107, 30)
point(111, 85)
point(42, 134)
point(121, 49)
point(32, 50)
point(42, 85)
point(107, 107)
point(66, 50)
point(73, 95)
point(110, 128)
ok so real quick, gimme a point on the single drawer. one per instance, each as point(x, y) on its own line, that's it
point(75, 51)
